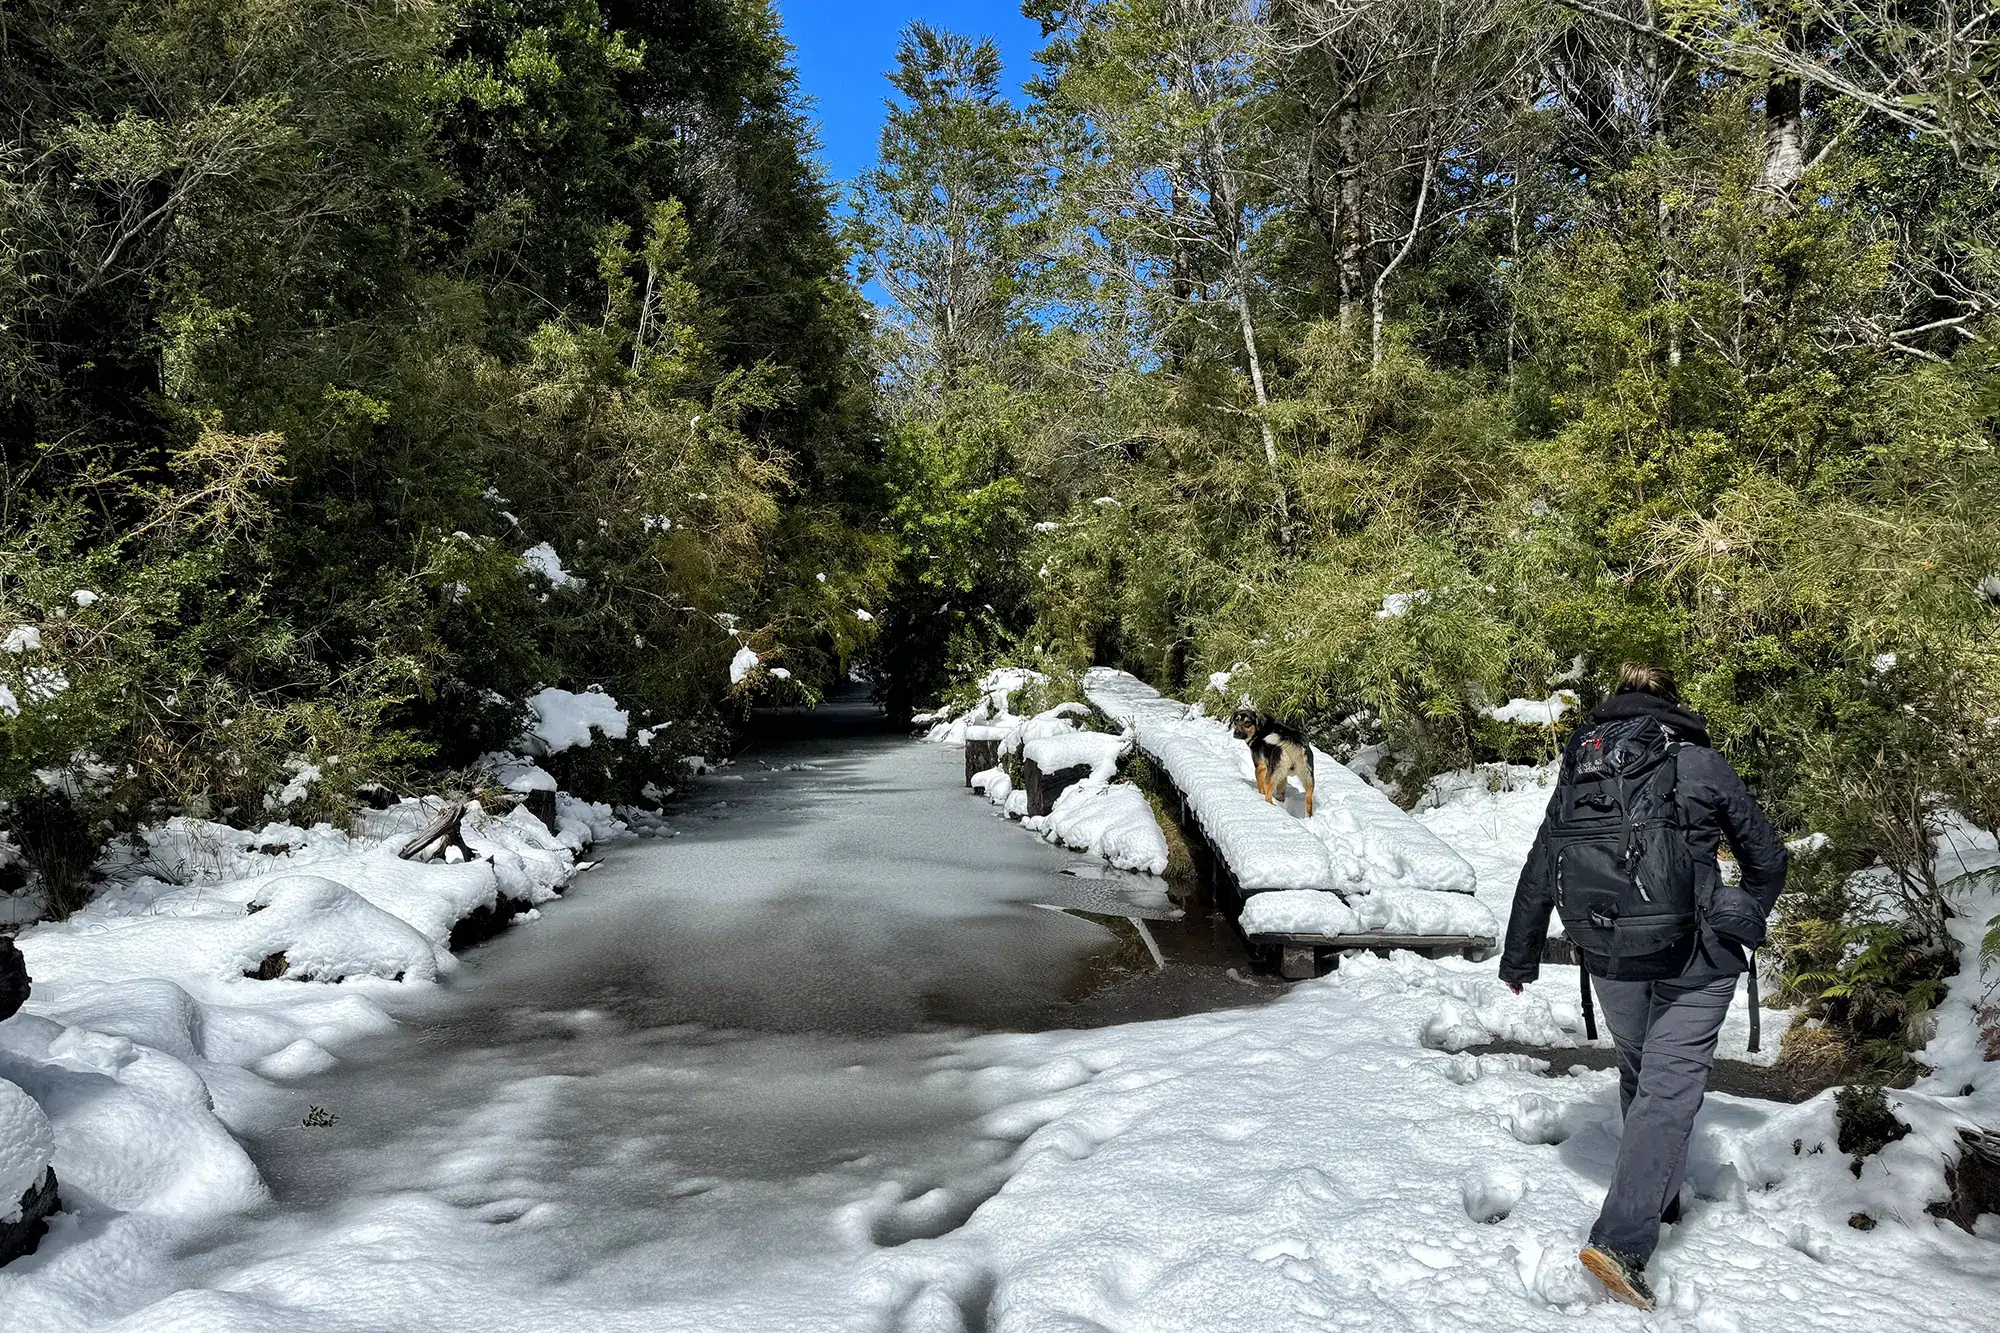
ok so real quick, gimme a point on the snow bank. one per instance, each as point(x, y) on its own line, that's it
point(1111, 820)
point(1298, 911)
point(1490, 815)
point(1059, 721)
point(1308, 1164)
point(564, 719)
point(144, 1041)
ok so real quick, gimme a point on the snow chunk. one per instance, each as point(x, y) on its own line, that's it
point(1297, 912)
point(26, 1145)
point(1401, 911)
point(742, 664)
point(524, 775)
point(1076, 749)
point(84, 597)
point(1534, 712)
point(542, 559)
point(862, 615)
point(1112, 821)
point(303, 777)
point(22, 639)
point(1884, 663)
point(564, 719)
point(1398, 604)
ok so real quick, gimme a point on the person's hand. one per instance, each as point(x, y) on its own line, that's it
point(1514, 986)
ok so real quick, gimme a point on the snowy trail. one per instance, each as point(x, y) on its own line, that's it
point(781, 1073)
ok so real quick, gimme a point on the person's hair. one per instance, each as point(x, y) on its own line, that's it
point(1638, 678)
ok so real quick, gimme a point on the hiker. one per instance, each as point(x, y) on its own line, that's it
point(1627, 855)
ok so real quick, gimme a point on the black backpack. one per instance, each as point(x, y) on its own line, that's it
point(1624, 878)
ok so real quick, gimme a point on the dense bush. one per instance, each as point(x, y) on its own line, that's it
point(366, 366)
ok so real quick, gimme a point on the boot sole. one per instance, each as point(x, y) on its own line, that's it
point(1612, 1274)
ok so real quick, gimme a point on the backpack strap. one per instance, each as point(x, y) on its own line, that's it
point(1756, 1022)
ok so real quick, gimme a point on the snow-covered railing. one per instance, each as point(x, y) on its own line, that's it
point(1394, 875)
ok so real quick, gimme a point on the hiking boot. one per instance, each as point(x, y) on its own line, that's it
point(1623, 1277)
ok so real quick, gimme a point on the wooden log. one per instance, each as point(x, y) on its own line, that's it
point(1973, 1180)
point(980, 756)
point(441, 833)
point(1043, 788)
point(31, 1217)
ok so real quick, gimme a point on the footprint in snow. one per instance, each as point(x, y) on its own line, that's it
point(1284, 1247)
point(1234, 1130)
point(1536, 1119)
point(1493, 1194)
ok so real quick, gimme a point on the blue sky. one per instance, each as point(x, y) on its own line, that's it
point(845, 47)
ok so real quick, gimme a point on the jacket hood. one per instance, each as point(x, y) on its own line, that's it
point(1686, 724)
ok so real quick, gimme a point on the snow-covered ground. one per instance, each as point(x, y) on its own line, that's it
point(148, 1042)
point(1332, 1160)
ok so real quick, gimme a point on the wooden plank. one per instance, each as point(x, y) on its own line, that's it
point(1373, 940)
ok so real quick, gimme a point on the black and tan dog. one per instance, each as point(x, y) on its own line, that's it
point(1279, 752)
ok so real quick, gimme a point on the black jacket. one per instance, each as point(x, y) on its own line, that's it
point(13, 979)
point(1715, 805)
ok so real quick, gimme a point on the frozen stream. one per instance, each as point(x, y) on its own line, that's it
point(684, 1094)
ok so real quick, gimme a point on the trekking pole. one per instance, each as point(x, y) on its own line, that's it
point(1589, 1010)
point(1756, 1022)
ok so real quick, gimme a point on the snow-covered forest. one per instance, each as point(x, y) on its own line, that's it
point(600, 727)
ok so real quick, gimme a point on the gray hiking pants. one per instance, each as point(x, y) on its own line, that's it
point(1665, 1032)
